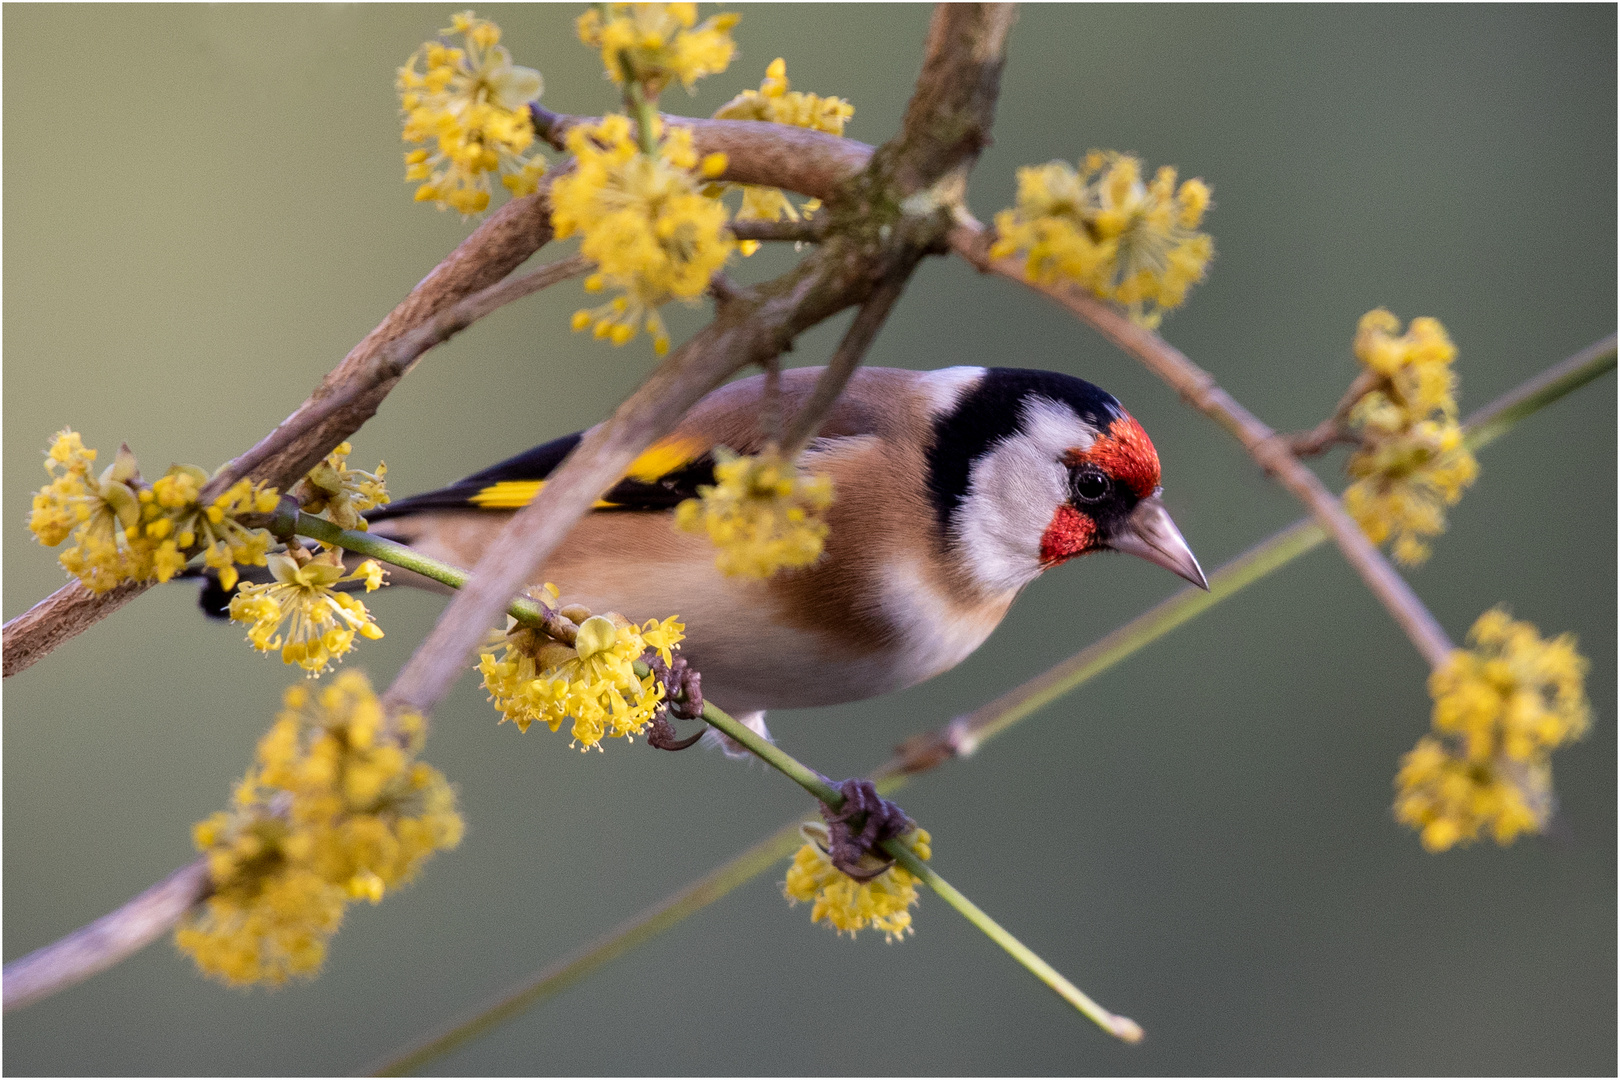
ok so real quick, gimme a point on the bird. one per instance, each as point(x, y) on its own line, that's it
point(955, 489)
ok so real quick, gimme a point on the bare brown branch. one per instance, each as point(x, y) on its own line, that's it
point(808, 231)
point(810, 163)
point(404, 351)
point(346, 399)
point(61, 616)
point(752, 326)
point(1200, 390)
point(948, 119)
point(105, 942)
point(857, 340)
point(962, 70)
point(1335, 429)
point(351, 392)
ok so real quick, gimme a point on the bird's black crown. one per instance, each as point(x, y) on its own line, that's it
point(991, 411)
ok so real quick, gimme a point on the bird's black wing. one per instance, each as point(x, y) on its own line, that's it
point(666, 473)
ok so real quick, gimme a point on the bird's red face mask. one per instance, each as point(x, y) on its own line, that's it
point(1114, 504)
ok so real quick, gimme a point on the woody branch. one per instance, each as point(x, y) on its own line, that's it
point(944, 128)
point(805, 162)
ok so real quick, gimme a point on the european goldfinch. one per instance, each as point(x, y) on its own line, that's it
point(954, 489)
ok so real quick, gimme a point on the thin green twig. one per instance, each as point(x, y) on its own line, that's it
point(1497, 418)
point(774, 756)
point(1122, 1027)
point(571, 969)
point(985, 723)
point(525, 610)
point(997, 716)
point(363, 543)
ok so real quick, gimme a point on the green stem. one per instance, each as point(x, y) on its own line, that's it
point(990, 720)
point(645, 112)
point(774, 756)
point(612, 945)
point(376, 547)
point(1497, 418)
point(361, 543)
point(532, 612)
point(1122, 1027)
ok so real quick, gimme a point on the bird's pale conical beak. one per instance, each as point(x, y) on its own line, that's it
point(1150, 534)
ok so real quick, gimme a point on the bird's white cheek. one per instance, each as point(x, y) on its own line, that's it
point(1012, 493)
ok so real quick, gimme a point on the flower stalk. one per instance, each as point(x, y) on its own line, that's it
point(523, 609)
point(1121, 1027)
point(643, 110)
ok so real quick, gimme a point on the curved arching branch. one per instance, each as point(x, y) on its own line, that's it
point(753, 325)
point(807, 162)
point(111, 938)
point(345, 399)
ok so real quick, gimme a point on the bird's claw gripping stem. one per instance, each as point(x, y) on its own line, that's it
point(683, 694)
point(857, 829)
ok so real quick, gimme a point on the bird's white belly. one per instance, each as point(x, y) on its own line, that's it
point(772, 667)
point(750, 661)
point(932, 634)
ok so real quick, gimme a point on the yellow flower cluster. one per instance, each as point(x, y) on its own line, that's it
point(593, 682)
point(299, 612)
point(335, 808)
point(1133, 242)
point(471, 105)
point(123, 530)
point(776, 103)
point(646, 225)
point(1500, 708)
point(173, 511)
point(883, 903)
point(1412, 463)
point(340, 492)
point(762, 514)
point(657, 43)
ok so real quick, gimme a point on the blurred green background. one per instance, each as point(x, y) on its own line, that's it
point(1201, 839)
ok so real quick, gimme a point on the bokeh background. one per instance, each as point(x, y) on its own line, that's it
point(203, 212)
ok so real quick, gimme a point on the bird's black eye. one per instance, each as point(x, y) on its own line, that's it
point(1090, 485)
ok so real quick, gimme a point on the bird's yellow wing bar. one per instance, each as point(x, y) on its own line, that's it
point(663, 457)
